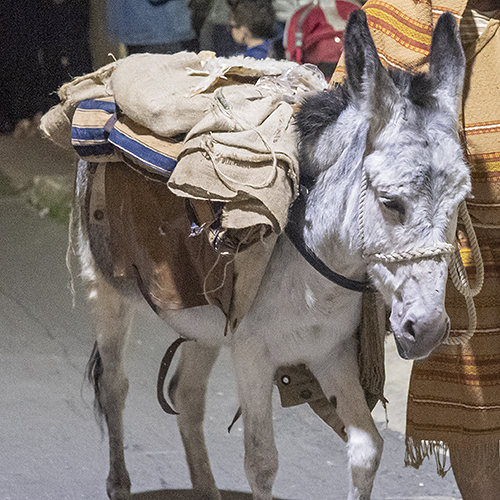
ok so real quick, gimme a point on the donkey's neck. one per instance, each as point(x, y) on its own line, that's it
point(331, 232)
point(331, 225)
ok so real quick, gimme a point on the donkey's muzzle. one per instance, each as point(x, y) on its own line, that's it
point(416, 338)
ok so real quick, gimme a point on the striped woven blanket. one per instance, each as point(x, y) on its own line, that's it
point(100, 133)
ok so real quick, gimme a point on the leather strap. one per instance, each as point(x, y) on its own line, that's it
point(294, 231)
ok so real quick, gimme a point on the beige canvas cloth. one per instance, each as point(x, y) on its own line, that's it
point(166, 93)
point(242, 153)
point(240, 146)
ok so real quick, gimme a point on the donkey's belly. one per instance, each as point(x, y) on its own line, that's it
point(291, 334)
point(205, 324)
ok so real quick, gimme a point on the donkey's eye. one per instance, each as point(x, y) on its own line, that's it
point(394, 204)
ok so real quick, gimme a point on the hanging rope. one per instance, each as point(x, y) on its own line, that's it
point(460, 280)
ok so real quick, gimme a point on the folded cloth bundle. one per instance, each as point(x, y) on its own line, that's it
point(242, 153)
point(240, 147)
point(98, 135)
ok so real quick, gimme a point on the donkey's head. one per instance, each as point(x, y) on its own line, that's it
point(412, 165)
point(415, 177)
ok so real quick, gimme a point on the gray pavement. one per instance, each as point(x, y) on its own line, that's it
point(51, 446)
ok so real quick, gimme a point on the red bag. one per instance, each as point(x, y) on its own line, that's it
point(309, 38)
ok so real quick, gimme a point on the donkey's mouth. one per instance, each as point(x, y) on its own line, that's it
point(401, 349)
point(415, 342)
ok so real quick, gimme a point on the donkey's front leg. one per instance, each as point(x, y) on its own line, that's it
point(339, 379)
point(254, 373)
point(112, 316)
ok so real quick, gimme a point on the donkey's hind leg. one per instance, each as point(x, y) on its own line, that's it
point(187, 391)
point(255, 375)
point(112, 316)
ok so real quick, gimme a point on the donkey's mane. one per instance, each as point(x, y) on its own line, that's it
point(324, 108)
point(417, 87)
point(320, 110)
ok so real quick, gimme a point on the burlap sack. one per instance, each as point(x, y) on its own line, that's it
point(243, 153)
point(152, 90)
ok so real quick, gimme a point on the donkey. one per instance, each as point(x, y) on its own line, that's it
point(383, 175)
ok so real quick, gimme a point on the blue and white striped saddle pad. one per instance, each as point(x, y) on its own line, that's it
point(100, 134)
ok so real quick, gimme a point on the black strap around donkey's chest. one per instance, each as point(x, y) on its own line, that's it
point(295, 232)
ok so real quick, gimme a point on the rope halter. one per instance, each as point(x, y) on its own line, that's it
point(456, 268)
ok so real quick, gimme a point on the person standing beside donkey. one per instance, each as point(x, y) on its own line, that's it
point(253, 24)
point(154, 26)
point(454, 395)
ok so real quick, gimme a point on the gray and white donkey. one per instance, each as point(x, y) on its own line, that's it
point(385, 174)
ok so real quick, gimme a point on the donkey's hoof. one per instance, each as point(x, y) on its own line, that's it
point(207, 495)
point(118, 489)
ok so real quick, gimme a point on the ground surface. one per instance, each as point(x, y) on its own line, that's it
point(51, 447)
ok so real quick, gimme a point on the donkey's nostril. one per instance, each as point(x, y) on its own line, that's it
point(408, 328)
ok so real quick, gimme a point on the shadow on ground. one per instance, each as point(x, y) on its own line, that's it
point(6, 187)
point(188, 495)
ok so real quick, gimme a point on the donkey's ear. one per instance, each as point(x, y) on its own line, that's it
point(447, 62)
point(369, 83)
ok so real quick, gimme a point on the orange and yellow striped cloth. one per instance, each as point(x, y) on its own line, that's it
point(455, 393)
